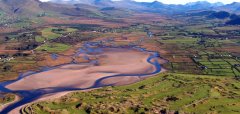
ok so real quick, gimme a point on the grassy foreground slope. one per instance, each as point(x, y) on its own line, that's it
point(176, 93)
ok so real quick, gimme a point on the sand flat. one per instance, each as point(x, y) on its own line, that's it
point(112, 61)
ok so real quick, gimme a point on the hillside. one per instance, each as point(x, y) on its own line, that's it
point(235, 21)
point(21, 7)
point(165, 93)
point(16, 14)
point(35, 7)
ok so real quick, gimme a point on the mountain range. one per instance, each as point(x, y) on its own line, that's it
point(79, 7)
point(104, 8)
point(155, 6)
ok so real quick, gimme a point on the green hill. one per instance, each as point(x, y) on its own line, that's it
point(165, 93)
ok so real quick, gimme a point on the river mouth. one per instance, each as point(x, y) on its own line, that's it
point(108, 64)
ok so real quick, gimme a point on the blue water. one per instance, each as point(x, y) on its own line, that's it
point(54, 56)
point(31, 95)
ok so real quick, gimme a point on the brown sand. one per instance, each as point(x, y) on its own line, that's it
point(113, 61)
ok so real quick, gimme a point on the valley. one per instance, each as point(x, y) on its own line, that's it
point(119, 57)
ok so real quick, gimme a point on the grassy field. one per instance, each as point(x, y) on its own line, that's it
point(163, 93)
point(48, 34)
point(54, 32)
point(53, 47)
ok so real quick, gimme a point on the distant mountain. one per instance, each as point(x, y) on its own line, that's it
point(220, 15)
point(94, 8)
point(235, 21)
point(204, 3)
point(23, 7)
point(198, 5)
point(217, 4)
point(31, 8)
point(234, 16)
point(233, 7)
point(201, 13)
point(88, 2)
point(155, 6)
point(214, 14)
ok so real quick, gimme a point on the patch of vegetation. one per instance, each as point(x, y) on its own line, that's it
point(39, 39)
point(49, 34)
point(53, 47)
point(80, 27)
point(63, 30)
point(6, 98)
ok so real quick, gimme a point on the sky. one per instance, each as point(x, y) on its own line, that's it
point(181, 1)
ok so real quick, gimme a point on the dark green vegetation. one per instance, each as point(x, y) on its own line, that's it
point(163, 93)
